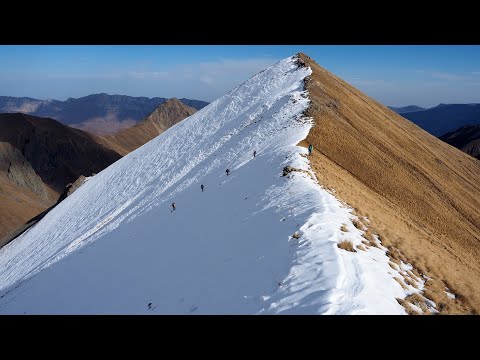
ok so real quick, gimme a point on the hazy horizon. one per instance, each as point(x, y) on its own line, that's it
point(151, 97)
point(393, 75)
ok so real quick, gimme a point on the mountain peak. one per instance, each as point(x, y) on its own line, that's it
point(169, 113)
point(172, 102)
point(160, 119)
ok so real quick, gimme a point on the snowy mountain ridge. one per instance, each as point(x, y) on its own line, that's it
point(254, 242)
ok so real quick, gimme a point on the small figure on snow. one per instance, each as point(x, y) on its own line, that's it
point(173, 207)
point(310, 149)
point(255, 153)
point(228, 171)
point(202, 187)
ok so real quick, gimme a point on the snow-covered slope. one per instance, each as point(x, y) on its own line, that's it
point(254, 242)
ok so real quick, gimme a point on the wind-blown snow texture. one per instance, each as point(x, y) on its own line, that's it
point(115, 245)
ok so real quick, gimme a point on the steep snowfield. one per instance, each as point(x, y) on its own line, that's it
point(116, 246)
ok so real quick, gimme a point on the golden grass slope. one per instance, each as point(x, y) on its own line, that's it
point(421, 194)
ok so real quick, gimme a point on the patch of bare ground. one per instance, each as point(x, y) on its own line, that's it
point(296, 235)
point(412, 275)
point(419, 301)
point(361, 247)
point(393, 265)
point(434, 290)
point(402, 284)
point(344, 228)
point(415, 299)
point(408, 309)
point(366, 244)
point(287, 170)
point(358, 224)
point(370, 237)
point(410, 282)
point(346, 245)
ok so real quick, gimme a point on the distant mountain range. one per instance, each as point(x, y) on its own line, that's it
point(443, 118)
point(466, 138)
point(456, 124)
point(406, 109)
point(98, 113)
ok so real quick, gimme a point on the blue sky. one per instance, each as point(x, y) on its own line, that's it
point(394, 75)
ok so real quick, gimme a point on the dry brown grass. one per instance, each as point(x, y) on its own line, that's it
point(387, 167)
point(358, 224)
point(434, 290)
point(361, 219)
point(395, 255)
point(346, 245)
point(408, 309)
point(395, 261)
point(361, 247)
point(380, 237)
point(410, 282)
point(370, 237)
point(397, 279)
point(413, 276)
point(393, 265)
point(344, 228)
point(416, 273)
point(418, 300)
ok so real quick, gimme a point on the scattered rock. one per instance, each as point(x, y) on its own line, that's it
point(288, 169)
point(70, 188)
point(19, 171)
point(300, 63)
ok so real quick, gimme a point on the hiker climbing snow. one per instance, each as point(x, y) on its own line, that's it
point(228, 171)
point(202, 187)
point(255, 153)
point(310, 149)
point(173, 207)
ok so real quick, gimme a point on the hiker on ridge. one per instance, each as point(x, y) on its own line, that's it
point(310, 149)
point(228, 171)
point(255, 153)
point(173, 207)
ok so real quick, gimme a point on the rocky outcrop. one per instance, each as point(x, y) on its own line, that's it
point(19, 171)
point(70, 188)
